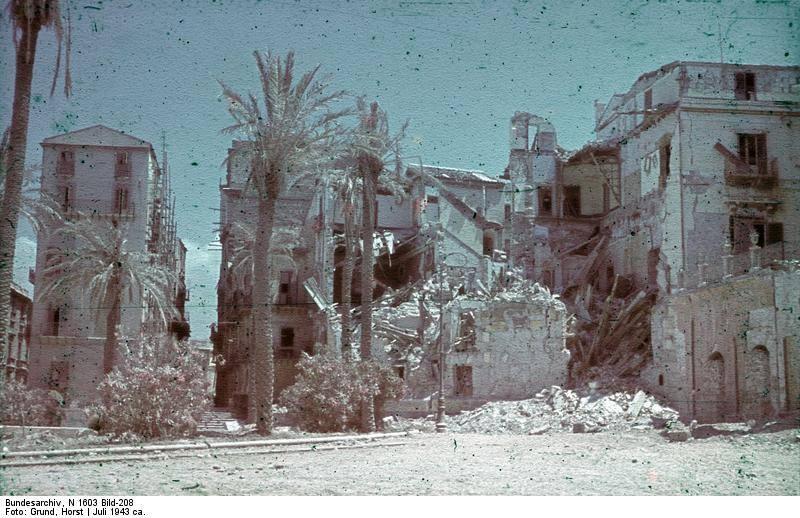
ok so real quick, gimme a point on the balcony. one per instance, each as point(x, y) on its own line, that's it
point(762, 174)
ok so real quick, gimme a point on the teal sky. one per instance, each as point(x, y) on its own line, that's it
point(456, 70)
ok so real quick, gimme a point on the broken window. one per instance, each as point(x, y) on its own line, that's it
point(572, 201)
point(745, 86)
point(753, 151)
point(66, 164)
point(463, 380)
point(466, 339)
point(284, 289)
point(286, 346)
point(545, 201)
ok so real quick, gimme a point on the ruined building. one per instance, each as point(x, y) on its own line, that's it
point(689, 190)
point(19, 335)
point(103, 174)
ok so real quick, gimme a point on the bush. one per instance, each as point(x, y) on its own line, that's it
point(160, 391)
point(21, 405)
point(328, 392)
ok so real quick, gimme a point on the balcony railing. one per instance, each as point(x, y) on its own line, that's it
point(764, 174)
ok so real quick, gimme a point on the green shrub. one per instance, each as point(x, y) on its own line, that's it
point(22, 405)
point(161, 392)
point(328, 392)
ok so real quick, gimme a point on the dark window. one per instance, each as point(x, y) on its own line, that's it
point(463, 380)
point(433, 199)
point(55, 321)
point(400, 371)
point(648, 100)
point(66, 200)
point(774, 233)
point(664, 153)
point(284, 289)
point(488, 242)
point(545, 201)
point(753, 150)
point(286, 348)
point(745, 86)
point(507, 212)
point(572, 200)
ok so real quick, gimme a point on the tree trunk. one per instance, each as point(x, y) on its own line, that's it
point(347, 288)
point(112, 320)
point(367, 286)
point(15, 168)
point(264, 362)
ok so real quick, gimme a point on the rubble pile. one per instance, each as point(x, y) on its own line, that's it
point(558, 410)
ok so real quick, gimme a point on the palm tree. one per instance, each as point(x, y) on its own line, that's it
point(346, 185)
point(28, 17)
point(292, 134)
point(373, 149)
point(98, 262)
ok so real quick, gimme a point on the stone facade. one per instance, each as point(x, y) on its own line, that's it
point(19, 335)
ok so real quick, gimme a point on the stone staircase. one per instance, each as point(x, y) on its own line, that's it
point(218, 421)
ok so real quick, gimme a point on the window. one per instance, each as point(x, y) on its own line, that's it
point(463, 380)
point(284, 288)
point(66, 198)
point(648, 100)
point(488, 242)
point(286, 348)
point(400, 371)
point(753, 150)
point(54, 321)
point(466, 340)
point(66, 164)
point(664, 153)
point(123, 164)
point(745, 86)
point(572, 201)
point(507, 212)
point(121, 200)
point(742, 227)
point(545, 201)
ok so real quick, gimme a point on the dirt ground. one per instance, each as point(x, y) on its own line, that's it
point(632, 463)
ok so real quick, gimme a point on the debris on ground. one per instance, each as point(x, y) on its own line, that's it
point(556, 410)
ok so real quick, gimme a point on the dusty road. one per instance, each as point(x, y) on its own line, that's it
point(563, 464)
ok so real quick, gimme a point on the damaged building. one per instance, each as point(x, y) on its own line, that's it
point(667, 238)
point(690, 188)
